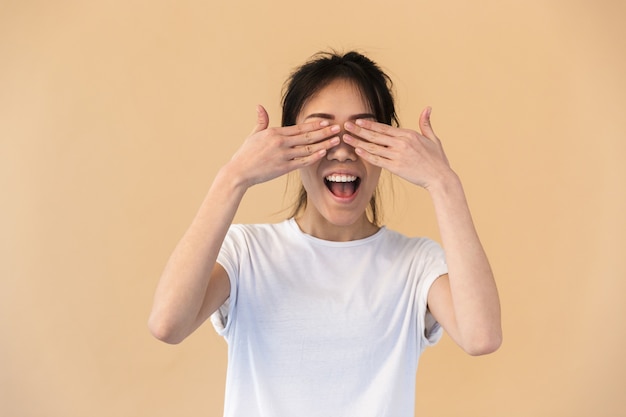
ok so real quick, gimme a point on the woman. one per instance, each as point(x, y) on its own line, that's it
point(327, 312)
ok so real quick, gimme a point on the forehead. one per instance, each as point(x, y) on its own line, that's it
point(340, 97)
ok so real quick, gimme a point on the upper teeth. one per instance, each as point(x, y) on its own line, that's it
point(341, 178)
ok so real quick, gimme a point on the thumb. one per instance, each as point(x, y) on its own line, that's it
point(262, 119)
point(425, 126)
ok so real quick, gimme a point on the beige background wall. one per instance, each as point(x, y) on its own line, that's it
point(115, 115)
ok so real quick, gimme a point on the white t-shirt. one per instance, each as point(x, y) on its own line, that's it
point(325, 329)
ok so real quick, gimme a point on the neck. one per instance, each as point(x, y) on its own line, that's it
point(317, 226)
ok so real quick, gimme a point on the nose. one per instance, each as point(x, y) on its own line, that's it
point(342, 152)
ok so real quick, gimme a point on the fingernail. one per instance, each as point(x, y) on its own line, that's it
point(350, 125)
point(335, 140)
point(324, 123)
point(335, 128)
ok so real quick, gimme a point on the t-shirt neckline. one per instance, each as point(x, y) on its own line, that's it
point(296, 229)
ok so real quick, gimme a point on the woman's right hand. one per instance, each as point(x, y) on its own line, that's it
point(270, 152)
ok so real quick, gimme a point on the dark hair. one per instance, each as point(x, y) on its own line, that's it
point(324, 68)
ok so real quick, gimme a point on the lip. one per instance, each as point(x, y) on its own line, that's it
point(341, 172)
point(348, 172)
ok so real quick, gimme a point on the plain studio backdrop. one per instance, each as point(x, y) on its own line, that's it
point(116, 115)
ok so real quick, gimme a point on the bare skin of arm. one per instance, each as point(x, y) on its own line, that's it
point(192, 285)
point(465, 301)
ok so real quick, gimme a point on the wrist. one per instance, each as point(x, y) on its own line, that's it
point(447, 183)
point(231, 178)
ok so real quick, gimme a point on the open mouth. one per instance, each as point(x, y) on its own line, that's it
point(342, 186)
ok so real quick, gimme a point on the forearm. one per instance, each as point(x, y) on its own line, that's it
point(182, 288)
point(472, 286)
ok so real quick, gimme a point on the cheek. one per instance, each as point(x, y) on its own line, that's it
point(373, 176)
point(308, 177)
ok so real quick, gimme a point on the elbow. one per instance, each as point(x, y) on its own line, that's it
point(164, 331)
point(484, 345)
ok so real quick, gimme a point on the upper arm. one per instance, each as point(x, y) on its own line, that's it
point(441, 307)
point(217, 292)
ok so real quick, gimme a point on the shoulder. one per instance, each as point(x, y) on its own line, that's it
point(415, 244)
point(252, 229)
point(261, 232)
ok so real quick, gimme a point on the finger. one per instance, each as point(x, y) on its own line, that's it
point(378, 127)
point(425, 126)
point(370, 148)
point(379, 136)
point(303, 128)
point(310, 149)
point(262, 119)
point(304, 161)
point(313, 136)
point(374, 159)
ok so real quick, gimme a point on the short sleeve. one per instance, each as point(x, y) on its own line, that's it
point(219, 318)
point(229, 259)
point(434, 266)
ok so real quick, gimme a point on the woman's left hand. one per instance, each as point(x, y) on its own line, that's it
point(417, 157)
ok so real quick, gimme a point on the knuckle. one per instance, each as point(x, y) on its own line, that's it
point(413, 135)
point(278, 141)
point(384, 128)
point(402, 146)
point(374, 158)
point(369, 147)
